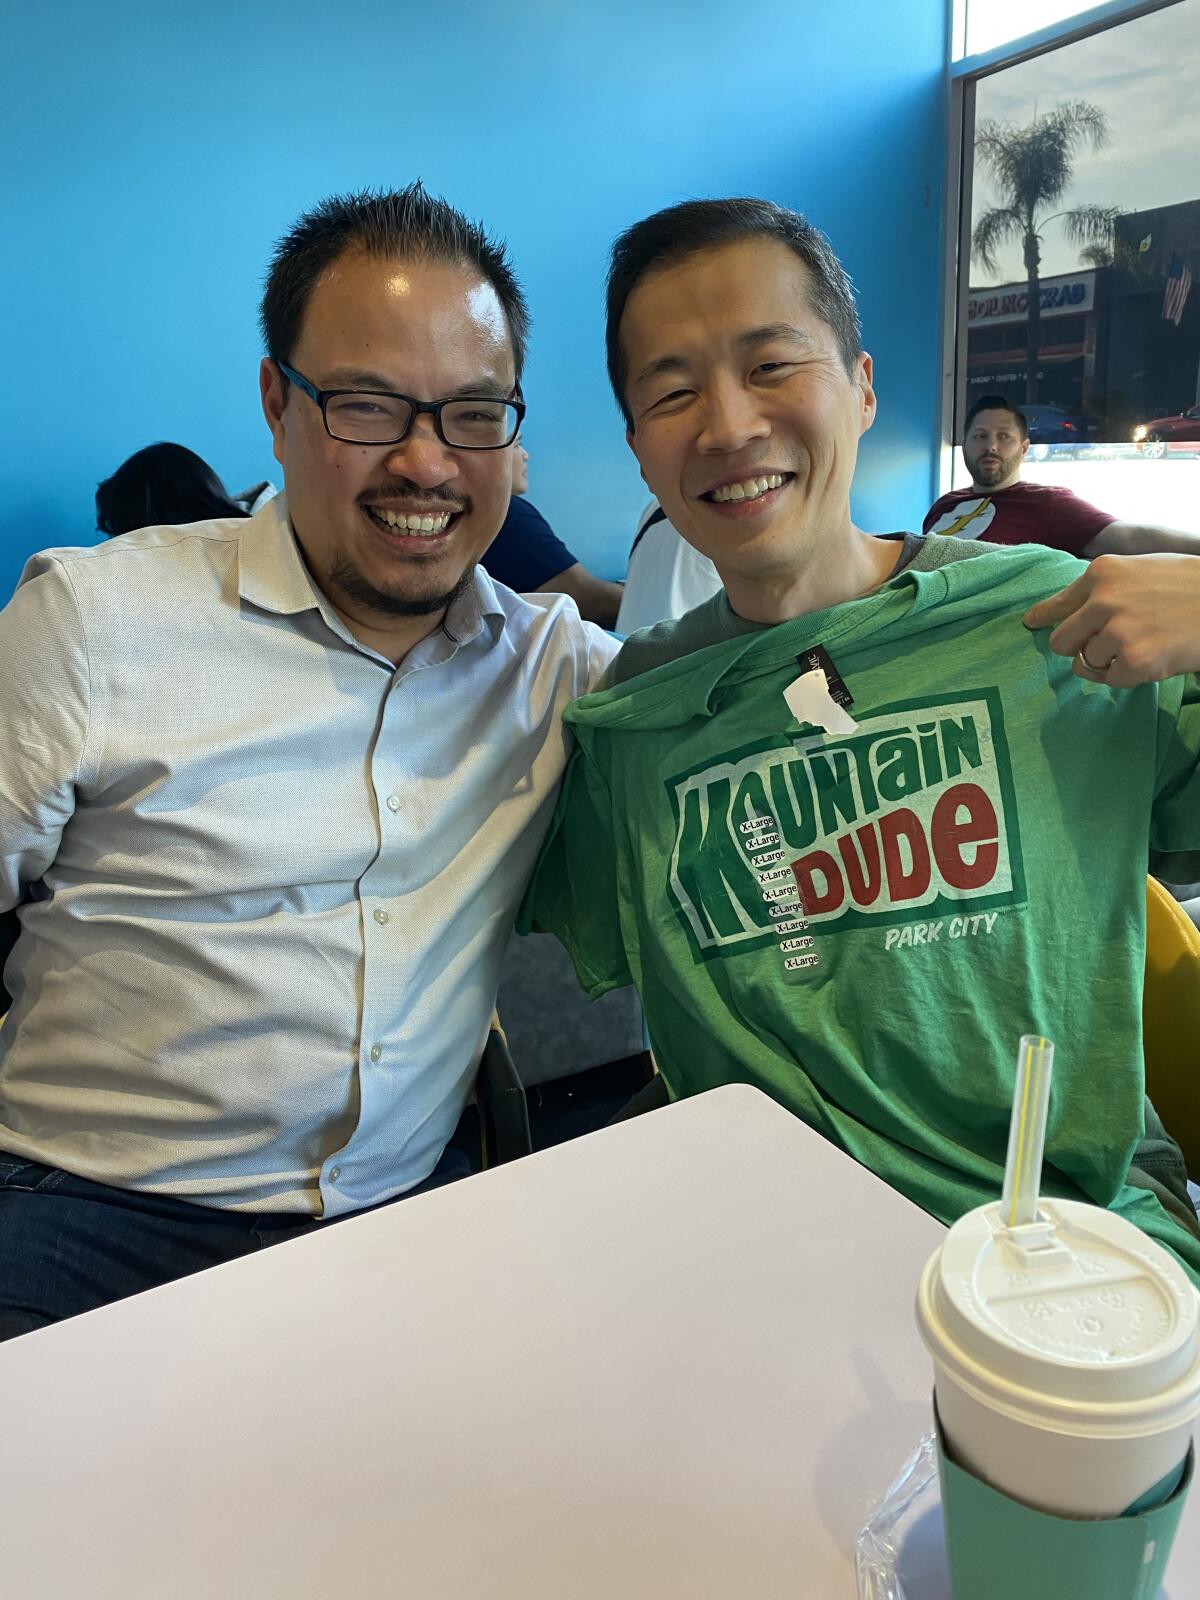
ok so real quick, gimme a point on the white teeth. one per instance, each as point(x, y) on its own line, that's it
point(399, 522)
point(748, 489)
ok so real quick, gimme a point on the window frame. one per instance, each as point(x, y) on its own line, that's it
point(962, 78)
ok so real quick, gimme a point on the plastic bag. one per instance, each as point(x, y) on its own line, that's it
point(899, 1553)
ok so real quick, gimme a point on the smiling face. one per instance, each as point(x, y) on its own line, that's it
point(393, 530)
point(745, 420)
point(993, 449)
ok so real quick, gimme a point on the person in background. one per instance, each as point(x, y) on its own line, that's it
point(862, 819)
point(528, 557)
point(1001, 509)
point(272, 788)
point(165, 485)
point(666, 576)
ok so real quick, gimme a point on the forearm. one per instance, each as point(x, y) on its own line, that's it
point(598, 600)
point(1142, 539)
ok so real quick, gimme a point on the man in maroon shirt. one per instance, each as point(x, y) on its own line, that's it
point(1000, 509)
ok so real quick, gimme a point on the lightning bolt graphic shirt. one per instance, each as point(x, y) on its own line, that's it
point(1024, 513)
point(863, 925)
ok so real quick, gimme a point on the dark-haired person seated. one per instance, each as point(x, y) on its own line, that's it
point(528, 556)
point(166, 484)
point(1001, 508)
point(862, 819)
point(271, 789)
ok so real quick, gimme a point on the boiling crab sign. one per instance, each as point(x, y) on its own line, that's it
point(1070, 292)
point(911, 815)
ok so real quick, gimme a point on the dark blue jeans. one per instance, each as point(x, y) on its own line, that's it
point(68, 1245)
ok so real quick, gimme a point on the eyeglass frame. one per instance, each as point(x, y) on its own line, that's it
point(432, 408)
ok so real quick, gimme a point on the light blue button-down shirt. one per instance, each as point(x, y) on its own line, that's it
point(273, 874)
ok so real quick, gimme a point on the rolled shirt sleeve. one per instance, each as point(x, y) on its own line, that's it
point(44, 714)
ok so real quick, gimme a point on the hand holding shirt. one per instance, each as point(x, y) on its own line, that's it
point(863, 925)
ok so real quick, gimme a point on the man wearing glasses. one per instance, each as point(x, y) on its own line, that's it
point(271, 790)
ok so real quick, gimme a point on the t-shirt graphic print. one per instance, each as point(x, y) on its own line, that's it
point(863, 925)
point(965, 519)
point(910, 819)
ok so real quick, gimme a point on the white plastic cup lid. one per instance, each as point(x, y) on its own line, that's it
point(1084, 1309)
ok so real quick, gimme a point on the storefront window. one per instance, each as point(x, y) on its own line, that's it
point(988, 23)
point(1079, 303)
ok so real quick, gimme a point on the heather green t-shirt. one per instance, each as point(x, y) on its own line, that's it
point(863, 925)
point(715, 619)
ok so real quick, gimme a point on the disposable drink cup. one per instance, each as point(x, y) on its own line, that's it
point(1066, 1357)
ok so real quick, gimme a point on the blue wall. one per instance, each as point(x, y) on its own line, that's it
point(154, 152)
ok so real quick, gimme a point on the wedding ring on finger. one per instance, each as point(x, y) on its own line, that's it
point(1081, 657)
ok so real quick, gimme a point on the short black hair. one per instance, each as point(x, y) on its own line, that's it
point(400, 223)
point(162, 485)
point(996, 402)
point(671, 236)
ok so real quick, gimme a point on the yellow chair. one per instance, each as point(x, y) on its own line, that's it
point(1171, 1019)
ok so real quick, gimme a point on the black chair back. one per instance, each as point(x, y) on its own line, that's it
point(9, 929)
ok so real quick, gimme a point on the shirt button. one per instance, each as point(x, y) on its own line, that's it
point(376, 1052)
point(381, 917)
point(393, 802)
point(334, 1174)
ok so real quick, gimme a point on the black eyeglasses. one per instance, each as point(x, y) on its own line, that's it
point(370, 416)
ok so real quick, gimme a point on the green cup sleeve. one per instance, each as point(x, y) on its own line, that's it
point(997, 1548)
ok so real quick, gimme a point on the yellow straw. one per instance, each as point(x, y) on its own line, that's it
point(1024, 1077)
point(1027, 1133)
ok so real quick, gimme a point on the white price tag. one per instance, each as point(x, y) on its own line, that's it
point(809, 700)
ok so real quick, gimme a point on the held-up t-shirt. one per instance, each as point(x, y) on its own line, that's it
point(863, 925)
point(1024, 513)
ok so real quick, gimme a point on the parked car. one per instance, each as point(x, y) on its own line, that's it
point(1176, 436)
point(1058, 426)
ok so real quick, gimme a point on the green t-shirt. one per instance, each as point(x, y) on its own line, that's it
point(863, 925)
point(715, 619)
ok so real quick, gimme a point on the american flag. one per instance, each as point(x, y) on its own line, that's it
point(1179, 286)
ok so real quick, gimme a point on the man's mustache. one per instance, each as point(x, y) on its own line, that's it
point(396, 496)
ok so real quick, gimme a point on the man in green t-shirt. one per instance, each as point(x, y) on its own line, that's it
point(851, 826)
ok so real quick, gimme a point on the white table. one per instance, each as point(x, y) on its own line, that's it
point(675, 1359)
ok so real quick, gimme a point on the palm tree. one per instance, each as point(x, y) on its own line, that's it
point(1121, 253)
point(1031, 168)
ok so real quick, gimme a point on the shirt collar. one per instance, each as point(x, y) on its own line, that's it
point(272, 575)
point(271, 570)
point(477, 604)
